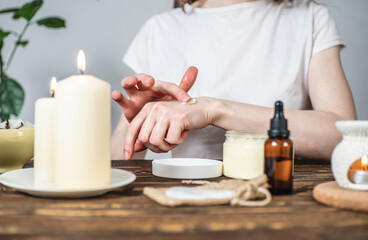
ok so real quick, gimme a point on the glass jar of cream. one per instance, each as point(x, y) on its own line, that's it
point(244, 154)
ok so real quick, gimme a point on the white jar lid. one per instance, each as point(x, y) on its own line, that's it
point(187, 168)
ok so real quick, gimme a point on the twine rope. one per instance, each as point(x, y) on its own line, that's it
point(247, 193)
point(251, 193)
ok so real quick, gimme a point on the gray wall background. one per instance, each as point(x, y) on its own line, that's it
point(105, 28)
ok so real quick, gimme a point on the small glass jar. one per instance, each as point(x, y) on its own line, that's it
point(243, 155)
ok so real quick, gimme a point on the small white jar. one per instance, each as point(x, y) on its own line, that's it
point(244, 154)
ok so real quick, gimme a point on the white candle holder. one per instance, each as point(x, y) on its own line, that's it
point(353, 146)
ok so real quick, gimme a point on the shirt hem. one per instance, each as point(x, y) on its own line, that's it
point(329, 44)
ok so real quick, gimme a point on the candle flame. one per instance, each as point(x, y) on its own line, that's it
point(52, 85)
point(365, 162)
point(81, 62)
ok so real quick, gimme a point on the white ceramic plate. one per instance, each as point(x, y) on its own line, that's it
point(23, 181)
point(187, 168)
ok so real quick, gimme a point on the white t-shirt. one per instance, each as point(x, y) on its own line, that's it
point(254, 52)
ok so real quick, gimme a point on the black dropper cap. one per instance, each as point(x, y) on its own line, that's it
point(279, 127)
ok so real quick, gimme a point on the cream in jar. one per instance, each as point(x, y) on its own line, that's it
point(244, 154)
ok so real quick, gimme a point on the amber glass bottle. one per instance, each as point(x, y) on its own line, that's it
point(279, 154)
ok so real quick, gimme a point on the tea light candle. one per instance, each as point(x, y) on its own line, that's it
point(82, 131)
point(44, 143)
point(360, 176)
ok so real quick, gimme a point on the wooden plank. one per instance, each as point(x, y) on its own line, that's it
point(126, 212)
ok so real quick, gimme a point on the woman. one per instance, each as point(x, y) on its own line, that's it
point(250, 54)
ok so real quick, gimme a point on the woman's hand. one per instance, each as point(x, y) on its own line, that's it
point(161, 126)
point(142, 89)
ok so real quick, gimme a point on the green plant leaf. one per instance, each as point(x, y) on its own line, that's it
point(3, 34)
point(4, 117)
point(52, 22)
point(28, 10)
point(22, 43)
point(11, 96)
point(16, 16)
point(9, 10)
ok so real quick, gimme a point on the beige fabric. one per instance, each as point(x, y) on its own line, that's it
point(248, 193)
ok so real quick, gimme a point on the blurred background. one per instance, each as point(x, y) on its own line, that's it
point(105, 28)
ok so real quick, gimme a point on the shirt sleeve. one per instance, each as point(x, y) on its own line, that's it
point(137, 54)
point(325, 34)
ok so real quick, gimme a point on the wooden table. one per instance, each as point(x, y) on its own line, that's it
point(130, 215)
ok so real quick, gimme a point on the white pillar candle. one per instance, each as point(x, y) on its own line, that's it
point(82, 133)
point(44, 148)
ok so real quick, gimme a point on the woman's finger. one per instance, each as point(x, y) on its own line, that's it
point(132, 134)
point(145, 82)
point(146, 130)
point(139, 146)
point(172, 90)
point(158, 134)
point(152, 148)
point(129, 85)
point(189, 78)
point(120, 99)
point(174, 134)
point(129, 82)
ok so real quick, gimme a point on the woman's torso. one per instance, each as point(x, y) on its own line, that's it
point(254, 53)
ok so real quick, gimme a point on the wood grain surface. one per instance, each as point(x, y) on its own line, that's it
point(127, 214)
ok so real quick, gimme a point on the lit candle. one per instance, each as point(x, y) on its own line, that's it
point(82, 131)
point(44, 146)
point(359, 175)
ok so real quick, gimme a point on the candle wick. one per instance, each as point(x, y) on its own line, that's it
point(7, 126)
point(53, 94)
point(81, 72)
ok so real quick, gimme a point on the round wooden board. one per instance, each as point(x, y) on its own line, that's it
point(330, 193)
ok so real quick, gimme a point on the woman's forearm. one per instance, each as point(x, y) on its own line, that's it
point(312, 131)
point(117, 139)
